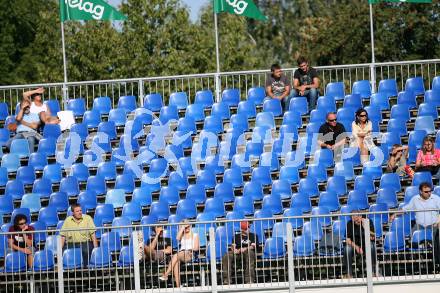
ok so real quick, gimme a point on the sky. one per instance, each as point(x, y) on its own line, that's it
point(194, 5)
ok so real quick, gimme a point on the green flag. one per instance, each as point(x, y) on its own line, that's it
point(239, 7)
point(88, 10)
point(409, 1)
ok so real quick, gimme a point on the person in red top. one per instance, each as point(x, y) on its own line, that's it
point(428, 158)
point(20, 241)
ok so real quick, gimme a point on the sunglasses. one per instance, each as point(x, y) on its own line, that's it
point(21, 224)
point(427, 191)
point(332, 120)
point(363, 115)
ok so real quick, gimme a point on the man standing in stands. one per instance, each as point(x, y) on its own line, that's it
point(278, 86)
point(82, 234)
point(27, 126)
point(158, 247)
point(428, 220)
point(332, 135)
point(355, 243)
point(242, 250)
point(306, 82)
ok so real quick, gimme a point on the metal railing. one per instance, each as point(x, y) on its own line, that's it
point(281, 252)
point(243, 80)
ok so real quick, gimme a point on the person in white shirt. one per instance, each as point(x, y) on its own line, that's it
point(189, 244)
point(38, 107)
point(361, 132)
point(428, 219)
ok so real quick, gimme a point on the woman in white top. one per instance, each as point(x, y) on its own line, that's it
point(189, 243)
point(38, 107)
point(361, 133)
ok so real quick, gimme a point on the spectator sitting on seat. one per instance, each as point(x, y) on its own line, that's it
point(27, 126)
point(38, 107)
point(428, 158)
point(278, 86)
point(158, 247)
point(425, 220)
point(355, 243)
point(20, 241)
point(397, 160)
point(78, 231)
point(361, 132)
point(306, 82)
point(332, 135)
point(189, 245)
point(243, 249)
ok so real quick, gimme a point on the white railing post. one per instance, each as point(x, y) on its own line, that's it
point(65, 90)
point(291, 270)
point(60, 265)
point(137, 274)
point(218, 94)
point(369, 261)
point(141, 92)
point(213, 263)
point(373, 77)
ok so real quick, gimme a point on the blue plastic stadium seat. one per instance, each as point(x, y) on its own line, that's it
point(380, 100)
point(256, 95)
point(125, 182)
point(390, 139)
point(26, 174)
point(87, 200)
point(168, 113)
point(234, 177)
point(326, 104)
point(42, 187)
point(215, 206)
point(111, 241)
point(15, 189)
point(390, 181)
point(362, 88)
point(398, 126)
point(416, 85)
point(364, 182)
point(358, 199)
point(11, 162)
point(128, 103)
point(54, 106)
point(4, 112)
point(273, 106)
point(407, 98)
point(337, 184)
point(330, 200)
point(221, 248)
point(318, 172)
point(43, 261)
point(420, 177)
point(80, 129)
point(196, 112)
point(299, 104)
point(118, 116)
point(231, 97)
point(380, 215)
point(186, 208)
point(153, 102)
point(425, 123)
point(109, 128)
point(292, 118)
point(15, 262)
point(6, 204)
point(394, 242)
point(274, 248)
point(77, 106)
point(400, 111)
point(353, 101)
point(303, 246)
point(72, 259)
point(116, 197)
point(220, 110)
point(4, 136)
point(80, 171)
point(92, 118)
point(344, 169)
point(416, 138)
point(273, 203)
point(104, 214)
point(204, 98)
point(213, 124)
point(318, 116)
point(308, 186)
point(247, 108)
point(20, 147)
point(254, 190)
point(335, 90)
point(197, 193)
point(262, 175)
point(96, 184)
point(323, 157)
point(374, 113)
point(387, 196)
point(102, 104)
point(432, 97)
point(59, 200)
point(179, 99)
point(49, 216)
point(160, 210)
point(428, 110)
point(224, 192)
point(100, 258)
point(313, 229)
point(70, 186)
point(126, 258)
point(372, 169)
point(388, 87)
point(169, 194)
point(239, 121)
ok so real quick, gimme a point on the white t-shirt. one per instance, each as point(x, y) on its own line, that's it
point(38, 109)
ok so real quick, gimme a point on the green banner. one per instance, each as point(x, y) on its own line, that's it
point(88, 10)
point(409, 1)
point(245, 8)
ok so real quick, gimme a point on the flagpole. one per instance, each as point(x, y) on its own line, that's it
point(64, 65)
point(373, 57)
point(217, 56)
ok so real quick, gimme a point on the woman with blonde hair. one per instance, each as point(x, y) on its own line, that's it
point(428, 158)
point(189, 244)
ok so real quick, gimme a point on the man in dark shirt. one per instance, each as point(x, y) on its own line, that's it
point(158, 247)
point(332, 135)
point(355, 243)
point(242, 249)
point(278, 86)
point(306, 82)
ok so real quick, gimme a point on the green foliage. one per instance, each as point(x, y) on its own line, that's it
point(159, 38)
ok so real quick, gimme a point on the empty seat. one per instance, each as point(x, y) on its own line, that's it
point(273, 106)
point(72, 259)
point(102, 104)
point(70, 186)
point(299, 104)
point(381, 100)
point(335, 90)
point(398, 126)
point(326, 104)
point(337, 184)
point(20, 147)
point(231, 97)
point(387, 196)
point(128, 103)
point(26, 174)
point(388, 87)
point(116, 197)
point(425, 123)
point(179, 99)
point(117, 116)
point(31, 201)
point(362, 88)
point(204, 98)
point(153, 102)
point(77, 106)
point(168, 113)
point(416, 85)
point(274, 248)
point(43, 261)
point(42, 187)
point(407, 98)
point(256, 95)
point(358, 199)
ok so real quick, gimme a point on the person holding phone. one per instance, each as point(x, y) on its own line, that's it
point(19, 241)
point(189, 245)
